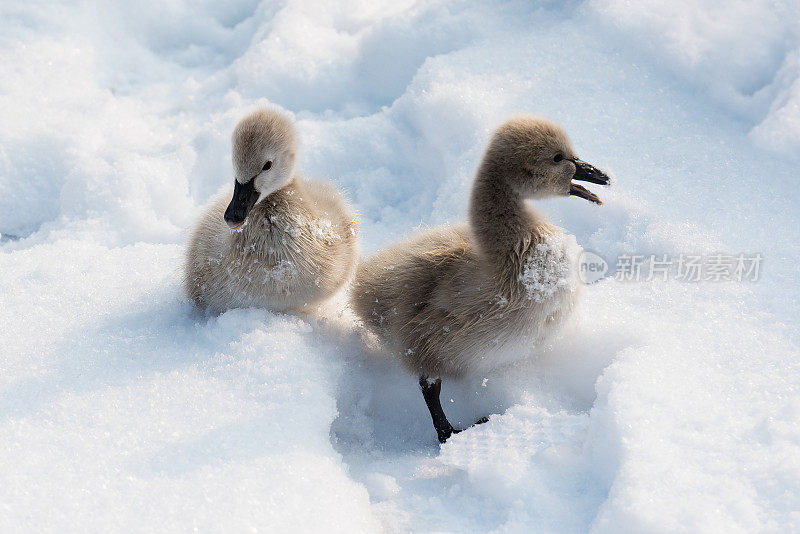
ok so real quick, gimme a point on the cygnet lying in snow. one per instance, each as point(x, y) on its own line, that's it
point(282, 242)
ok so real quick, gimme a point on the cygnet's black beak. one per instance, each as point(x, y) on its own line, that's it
point(244, 197)
point(587, 173)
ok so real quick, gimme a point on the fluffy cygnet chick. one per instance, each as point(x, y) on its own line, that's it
point(461, 300)
point(282, 242)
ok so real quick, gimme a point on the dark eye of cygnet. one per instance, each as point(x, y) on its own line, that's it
point(267, 166)
point(558, 157)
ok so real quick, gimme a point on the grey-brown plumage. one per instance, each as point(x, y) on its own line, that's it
point(283, 242)
point(461, 300)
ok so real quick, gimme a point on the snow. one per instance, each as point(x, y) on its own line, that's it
point(551, 266)
point(323, 230)
point(663, 406)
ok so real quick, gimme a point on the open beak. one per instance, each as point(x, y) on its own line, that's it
point(587, 173)
point(244, 197)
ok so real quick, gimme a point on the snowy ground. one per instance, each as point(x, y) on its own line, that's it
point(663, 407)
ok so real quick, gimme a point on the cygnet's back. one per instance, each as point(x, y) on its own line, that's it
point(447, 314)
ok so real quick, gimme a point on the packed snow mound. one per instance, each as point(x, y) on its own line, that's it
point(711, 45)
point(145, 415)
point(662, 406)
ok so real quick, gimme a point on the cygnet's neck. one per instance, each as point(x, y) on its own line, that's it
point(268, 204)
point(503, 226)
point(288, 180)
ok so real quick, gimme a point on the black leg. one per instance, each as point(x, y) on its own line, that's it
point(430, 390)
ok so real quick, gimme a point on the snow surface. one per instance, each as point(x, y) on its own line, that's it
point(662, 407)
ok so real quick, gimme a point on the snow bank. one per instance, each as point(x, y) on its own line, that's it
point(745, 53)
point(662, 407)
point(72, 151)
point(140, 414)
point(682, 434)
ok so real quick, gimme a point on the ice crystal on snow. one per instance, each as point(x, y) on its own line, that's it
point(323, 230)
point(550, 266)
